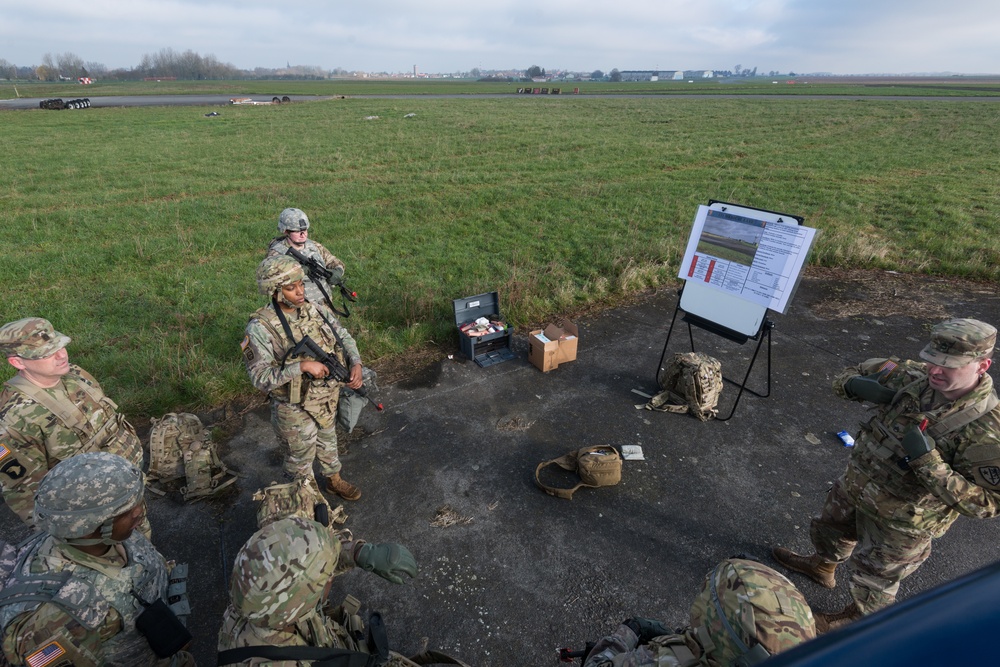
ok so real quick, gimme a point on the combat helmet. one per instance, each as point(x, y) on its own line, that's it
point(747, 612)
point(276, 272)
point(292, 220)
point(281, 572)
point(85, 493)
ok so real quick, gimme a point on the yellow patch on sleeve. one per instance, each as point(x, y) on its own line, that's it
point(246, 341)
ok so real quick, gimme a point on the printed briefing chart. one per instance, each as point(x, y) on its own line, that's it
point(755, 259)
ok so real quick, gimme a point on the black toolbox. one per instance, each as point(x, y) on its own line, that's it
point(488, 348)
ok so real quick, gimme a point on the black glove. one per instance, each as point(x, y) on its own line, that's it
point(387, 560)
point(868, 388)
point(916, 443)
point(646, 628)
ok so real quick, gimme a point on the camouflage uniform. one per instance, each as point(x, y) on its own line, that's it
point(745, 610)
point(88, 612)
point(882, 513)
point(278, 593)
point(41, 427)
point(303, 411)
point(294, 219)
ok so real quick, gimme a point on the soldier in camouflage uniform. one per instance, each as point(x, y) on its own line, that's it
point(69, 593)
point(930, 453)
point(279, 588)
point(745, 612)
point(303, 398)
point(49, 411)
point(293, 225)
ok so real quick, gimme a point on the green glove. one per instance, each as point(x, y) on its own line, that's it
point(868, 388)
point(916, 443)
point(646, 628)
point(387, 560)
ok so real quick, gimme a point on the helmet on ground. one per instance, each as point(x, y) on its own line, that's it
point(276, 272)
point(747, 611)
point(85, 493)
point(292, 220)
point(281, 572)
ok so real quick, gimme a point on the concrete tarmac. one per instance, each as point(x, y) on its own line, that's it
point(508, 573)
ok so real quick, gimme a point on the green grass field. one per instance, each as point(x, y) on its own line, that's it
point(137, 230)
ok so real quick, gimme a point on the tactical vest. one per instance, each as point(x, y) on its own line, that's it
point(97, 423)
point(878, 478)
point(317, 397)
point(89, 595)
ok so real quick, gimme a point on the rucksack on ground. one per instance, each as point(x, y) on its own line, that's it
point(597, 466)
point(747, 612)
point(690, 382)
point(181, 447)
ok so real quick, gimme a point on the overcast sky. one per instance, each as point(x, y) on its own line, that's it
point(837, 36)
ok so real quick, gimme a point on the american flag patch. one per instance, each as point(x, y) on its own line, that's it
point(4, 451)
point(45, 655)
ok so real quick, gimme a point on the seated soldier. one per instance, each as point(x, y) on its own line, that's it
point(737, 595)
point(75, 593)
point(278, 612)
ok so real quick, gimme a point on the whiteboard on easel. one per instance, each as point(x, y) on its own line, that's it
point(741, 262)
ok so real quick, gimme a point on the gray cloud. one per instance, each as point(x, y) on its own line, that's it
point(847, 37)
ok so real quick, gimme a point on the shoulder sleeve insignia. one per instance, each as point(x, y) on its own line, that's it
point(247, 349)
point(991, 474)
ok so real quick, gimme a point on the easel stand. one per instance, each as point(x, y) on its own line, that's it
point(730, 334)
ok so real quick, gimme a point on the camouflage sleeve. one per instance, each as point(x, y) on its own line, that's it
point(900, 374)
point(22, 466)
point(331, 262)
point(263, 368)
point(275, 247)
point(971, 484)
point(349, 344)
point(619, 650)
point(51, 636)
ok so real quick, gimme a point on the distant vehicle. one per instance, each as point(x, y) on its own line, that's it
point(253, 102)
point(58, 103)
point(952, 624)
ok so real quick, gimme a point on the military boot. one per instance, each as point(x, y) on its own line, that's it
point(836, 619)
point(343, 488)
point(814, 567)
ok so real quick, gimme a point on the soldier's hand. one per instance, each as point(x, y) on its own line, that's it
point(869, 389)
point(357, 377)
point(314, 368)
point(387, 560)
point(646, 628)
point(916, 443)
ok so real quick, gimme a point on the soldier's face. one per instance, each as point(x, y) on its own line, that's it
point(126, 522)
point(45, 371)
point(294, 293)
point(298, 238)
point(954, 383)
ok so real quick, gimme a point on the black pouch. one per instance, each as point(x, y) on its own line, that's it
point(162, 629)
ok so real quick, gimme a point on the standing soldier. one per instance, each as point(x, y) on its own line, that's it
point(930, 453)
point(303, 395)
point(278, 596)
point(294, 228)
point(49, 411)
point(89, 590)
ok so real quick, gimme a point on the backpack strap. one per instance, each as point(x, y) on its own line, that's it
point(319, 656)
point(965, 416)
point(566, 462)
point(65, 411)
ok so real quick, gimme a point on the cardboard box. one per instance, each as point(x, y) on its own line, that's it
point(489, 348)
point(554, 345)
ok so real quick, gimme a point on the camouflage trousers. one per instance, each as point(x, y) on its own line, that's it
point(303, 441)
point(878, 555)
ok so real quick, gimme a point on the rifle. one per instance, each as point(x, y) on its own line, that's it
point(320, 274)
point(308, 347)
point(569, 655)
